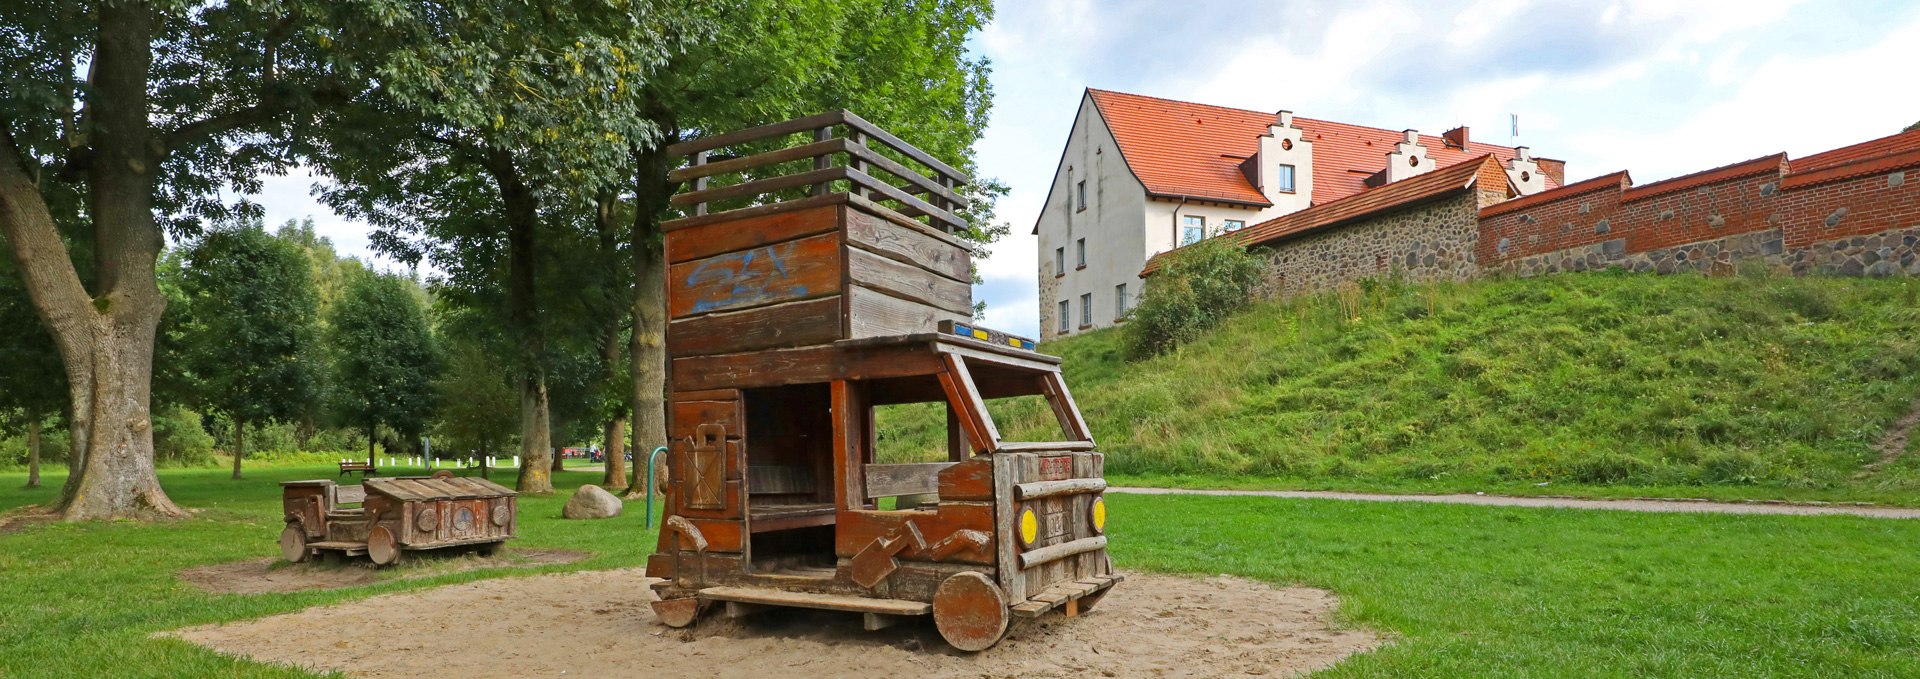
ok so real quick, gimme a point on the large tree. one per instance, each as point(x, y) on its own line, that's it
point(478, 145)
point(385, 361)
point(149, 109)
point(903, 66)
point(249, 328)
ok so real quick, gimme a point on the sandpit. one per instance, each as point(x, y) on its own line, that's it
point(598, 624)
point(258, 576)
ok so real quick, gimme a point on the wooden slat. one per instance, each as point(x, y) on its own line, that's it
point(762, 132)
point(914, 179)
point(919, 247)
point(782, 272)
point(347, 495)
point(1045, 447)
point(892, 480)
point(871, 313)
point(829, 602)
point(769, 185)
point(704, 219)
point(894, 216)
point(886, 191)
point(779, 326)
point(751, 231)
point(902, 146)
point(1057, 389)
point(813, 150)
point(1013, 580)
point(1038, 489)
point(1057, 552)
point(804, 365)
point(910, 282)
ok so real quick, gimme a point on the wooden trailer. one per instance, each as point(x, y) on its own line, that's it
point(386, 518)
point(819, 296)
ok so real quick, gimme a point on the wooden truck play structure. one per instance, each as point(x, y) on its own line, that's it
point(386, 518)
point(798, 305)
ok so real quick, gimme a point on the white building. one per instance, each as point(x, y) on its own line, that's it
point(1142, 175)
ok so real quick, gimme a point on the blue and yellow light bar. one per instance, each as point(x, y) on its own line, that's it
point(988, 336)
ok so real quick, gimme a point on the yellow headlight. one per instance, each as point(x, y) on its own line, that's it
point(1099, 515)
point(1029, 527)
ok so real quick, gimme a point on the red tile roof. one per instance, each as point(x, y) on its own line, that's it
point(1745, 168)
point(1617, 181)
point(1878, 148)
point(1885, 154)
point(1416, 190)
point(1180, 148)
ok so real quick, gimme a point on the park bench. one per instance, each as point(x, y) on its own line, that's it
point(351, 466)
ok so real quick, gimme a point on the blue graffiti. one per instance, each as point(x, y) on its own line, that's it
point(751, 283)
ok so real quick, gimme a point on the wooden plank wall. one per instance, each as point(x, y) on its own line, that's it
point(724, 528)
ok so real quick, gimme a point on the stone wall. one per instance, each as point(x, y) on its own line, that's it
point(1430, 242)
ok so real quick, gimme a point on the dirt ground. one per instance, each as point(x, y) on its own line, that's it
point(275, 575)
point(598, 624)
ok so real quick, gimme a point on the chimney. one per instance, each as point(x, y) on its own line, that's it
point(1456, 137)
point(1283, 119)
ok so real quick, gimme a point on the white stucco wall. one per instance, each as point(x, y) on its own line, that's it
point(1123, 227)
point(1112, 225)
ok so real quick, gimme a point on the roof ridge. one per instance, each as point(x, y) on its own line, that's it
point(1179, 101)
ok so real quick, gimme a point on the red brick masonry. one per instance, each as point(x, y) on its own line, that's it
point(1850, 211)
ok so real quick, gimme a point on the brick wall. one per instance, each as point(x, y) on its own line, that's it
point(1851, 220)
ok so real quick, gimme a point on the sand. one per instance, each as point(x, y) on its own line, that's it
point(598, 624)
point(274, 574)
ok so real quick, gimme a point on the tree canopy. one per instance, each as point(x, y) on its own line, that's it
point(384, 358)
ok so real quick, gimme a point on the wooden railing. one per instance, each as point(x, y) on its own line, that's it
point(935, 198)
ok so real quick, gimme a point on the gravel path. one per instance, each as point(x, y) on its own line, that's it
point(1680, 506)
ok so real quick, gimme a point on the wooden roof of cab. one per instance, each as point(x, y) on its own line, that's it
point(419, 488)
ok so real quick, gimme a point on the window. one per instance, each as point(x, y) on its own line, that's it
point(1080, 249)
point(1083, 194)
point(1193, 229)
point(1086, 309)
point(1063, 315)
point(1283, 179)
point(1060, 261)
point(1233, 225)
point(1120, 300)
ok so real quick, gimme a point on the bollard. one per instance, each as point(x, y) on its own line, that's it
point(650, 457)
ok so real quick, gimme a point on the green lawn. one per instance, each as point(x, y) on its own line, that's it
point(1465, 591)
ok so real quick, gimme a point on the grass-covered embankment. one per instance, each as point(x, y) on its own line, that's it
point(1598, 384)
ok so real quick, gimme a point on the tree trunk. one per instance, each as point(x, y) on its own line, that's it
point(524, 318)
point(239, 446)
point(33, 453)
point(559, 456)
point(536, 439)
point(616, 477)
point(105, 340)
point(647, 345)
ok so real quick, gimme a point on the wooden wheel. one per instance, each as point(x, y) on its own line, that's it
point(970, 612)
point(293, 543)
point(382, 547)
point(678, 612)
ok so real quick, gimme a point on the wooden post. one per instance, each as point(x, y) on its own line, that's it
point(956, 437)
point(824, 161)
point(700, 183)
point(856, 136)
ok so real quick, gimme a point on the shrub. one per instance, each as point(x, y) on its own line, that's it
point(1195, 288)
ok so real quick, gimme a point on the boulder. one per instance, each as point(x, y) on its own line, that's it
point(592, 502)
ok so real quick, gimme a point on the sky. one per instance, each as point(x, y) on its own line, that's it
point(1657, 87)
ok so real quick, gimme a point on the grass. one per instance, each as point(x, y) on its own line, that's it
point(1464, 591)
point(81, 599)
point(1582, 384)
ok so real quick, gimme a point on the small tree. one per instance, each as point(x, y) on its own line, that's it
point(1195, 288)
point(248, 327)
point(384, 362)
point(480, 408)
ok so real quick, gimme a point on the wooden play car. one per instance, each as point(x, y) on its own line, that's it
point(386, 518)
point(790, 320)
